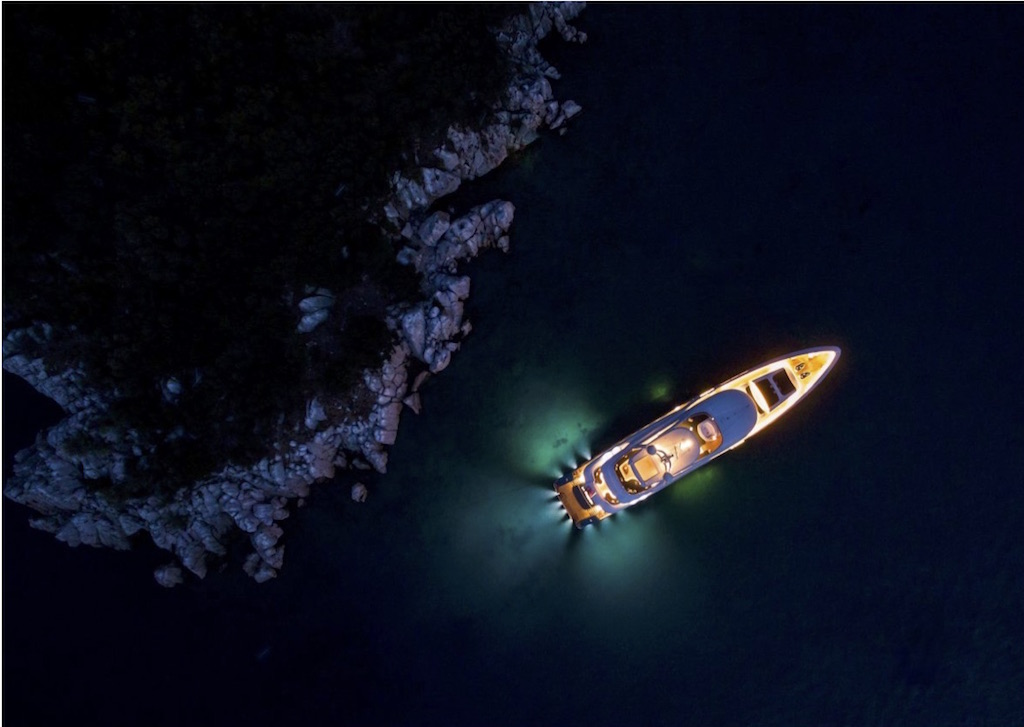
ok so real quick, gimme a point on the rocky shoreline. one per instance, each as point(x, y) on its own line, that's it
point(196, 524)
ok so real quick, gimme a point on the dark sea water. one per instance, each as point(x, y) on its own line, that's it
point(744, 181)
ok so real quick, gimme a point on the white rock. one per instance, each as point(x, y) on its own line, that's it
point(449, 159)
point(264, 512)
point(570, 108)
point(378, 459)
point(359, 492)
point(264, 573)
point(193, 557)
point(433, 228)
point(311, 320)
point(69, 534)
point(409, 195)
point(464, 228)
point(314, 414)
point(130, 524)
point(440, 361)
point(265, 537)
point(408, 256)
point(247, 521)
point(445, 298)
point(110, 535)
point(169, 575)
point(414, 331)
point(274, 557)
point(321, 459)
point(567, 32)
point(438, 183)
point(390, 415)
point(315, 303)
point(460, 286)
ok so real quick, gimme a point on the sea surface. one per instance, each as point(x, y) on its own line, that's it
point(744, 181)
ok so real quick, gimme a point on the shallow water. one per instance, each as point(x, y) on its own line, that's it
point(743, 182)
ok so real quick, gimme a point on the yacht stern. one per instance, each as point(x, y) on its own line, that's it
point(579, 500)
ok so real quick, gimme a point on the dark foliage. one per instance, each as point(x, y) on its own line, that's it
point(175, 174)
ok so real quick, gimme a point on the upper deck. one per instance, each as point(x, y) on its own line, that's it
point(662, 452)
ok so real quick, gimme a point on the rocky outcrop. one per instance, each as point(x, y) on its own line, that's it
point(75, 474)
point(69, 387)
point(529, 106)
point(315, 308)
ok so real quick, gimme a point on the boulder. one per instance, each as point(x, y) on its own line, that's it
point(377, 458)
point(314, 414)
point(171, 389)
point(449, 159)
point(316, 302)
point(264, 572)
point(169, 575)
point(438, 183)
point(321, 456)
point(387, 426)
point(433, 228)
point(414, 331)
point(440, 360)
point(311, 320)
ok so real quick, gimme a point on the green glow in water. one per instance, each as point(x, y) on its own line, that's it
point(660, 390)
point(551, 429)
point(624, 559)
point(697, 485)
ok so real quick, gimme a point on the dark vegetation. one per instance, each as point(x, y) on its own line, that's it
point(175, 175)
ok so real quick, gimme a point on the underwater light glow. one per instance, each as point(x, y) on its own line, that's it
point(549, 434)
point(697, 485)
point(659, 390)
